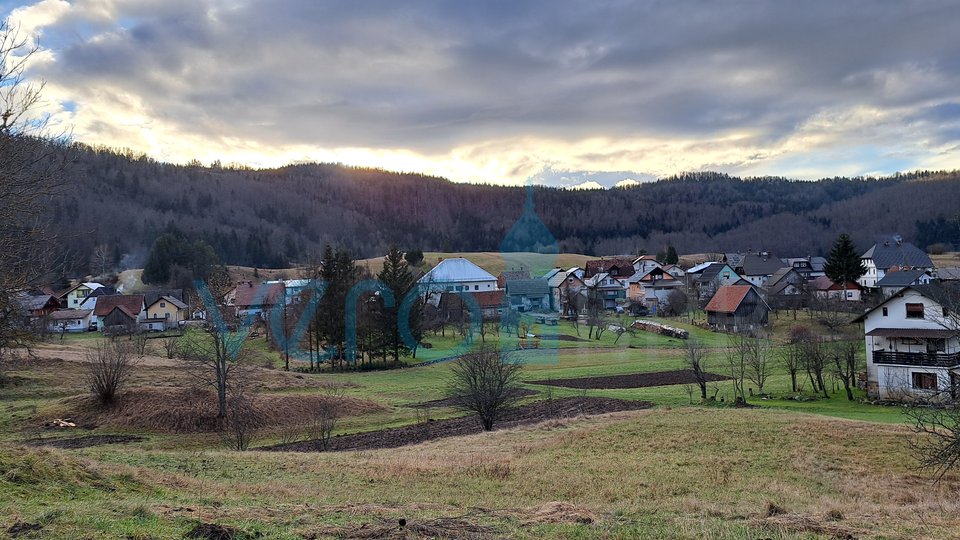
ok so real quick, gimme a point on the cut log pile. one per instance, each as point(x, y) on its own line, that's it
point(661, 329)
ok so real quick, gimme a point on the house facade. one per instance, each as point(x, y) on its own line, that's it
point(824, 288)
point(913, 348)
point(456, 274)
point(168, 310)
point(892, 252)
point(131, 311)
point(69, 320)
point(893, 281)
point(74, 296)
point(529, 295)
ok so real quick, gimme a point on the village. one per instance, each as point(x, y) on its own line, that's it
point(902, 301)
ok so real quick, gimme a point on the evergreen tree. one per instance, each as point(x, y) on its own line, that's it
point(397, 277)
point(844, 263)
point(339, 271)
point(671, 257)
point(414, 257)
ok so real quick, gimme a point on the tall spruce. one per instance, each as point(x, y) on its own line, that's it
point(844, 263)
point(397, 277)
point(339, 271)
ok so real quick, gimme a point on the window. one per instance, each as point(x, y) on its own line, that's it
point(849, 294)
point(163, 304)
point(885, 312)
point(166, 315)
point(914, 311)
point(476, 287)
point(924, 381)
point(936, 345)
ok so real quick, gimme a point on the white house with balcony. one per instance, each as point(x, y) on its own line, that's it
point(913, 343)
point(456, 274)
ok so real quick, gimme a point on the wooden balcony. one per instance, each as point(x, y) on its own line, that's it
point(916, 359)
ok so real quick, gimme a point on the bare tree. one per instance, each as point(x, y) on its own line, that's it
point(171, 346)
point(738, 354)
point(845, 358)
point(326, 416)
point(790, 360)
point(936, 424)
point(814, 362)
point(486, 384)
point(31, 163)
point(758, 362)
point(696, 358)
point(109, 365)
point(242, 421)
point(139, 340)
point(101, 260)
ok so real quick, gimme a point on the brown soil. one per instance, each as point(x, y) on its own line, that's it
point(211, 531)
point(442, 528)
point(21, 527)
point(438, 429)
point(88, 441)
point(166, 410)
point(449, 402)
point(632, 380)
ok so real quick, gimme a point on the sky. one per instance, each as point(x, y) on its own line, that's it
point(555, 92)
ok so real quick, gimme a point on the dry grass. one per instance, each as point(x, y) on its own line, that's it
point(191, 410)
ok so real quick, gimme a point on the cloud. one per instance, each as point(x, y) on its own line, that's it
point(504, 91)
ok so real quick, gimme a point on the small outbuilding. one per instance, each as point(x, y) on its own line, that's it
point(737, 307)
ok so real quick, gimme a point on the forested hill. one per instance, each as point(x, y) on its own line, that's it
point(269, 218)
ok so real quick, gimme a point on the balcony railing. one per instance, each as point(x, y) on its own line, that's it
point(916, 359)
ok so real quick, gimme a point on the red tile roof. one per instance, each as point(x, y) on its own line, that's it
point(258, 295)
point(132, 304)
point(728, 298)
point(597, 266)
point(489, 299)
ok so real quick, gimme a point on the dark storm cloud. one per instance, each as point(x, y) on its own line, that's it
point(429, 76)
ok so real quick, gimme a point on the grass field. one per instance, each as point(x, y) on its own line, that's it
point(788, 469)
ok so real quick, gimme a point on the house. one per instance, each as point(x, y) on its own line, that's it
point(529, 295)
point(292, 288)
point(652, 288)
point(119, 320)
point(130, 314)
point(606, 289)
point(890, 253)
point(675, 271)
point(912, 343)
point(893, 281)
point(452, 305)
point(168, 310)
point(90, 302)
point(824, 288)
point(708, 280)
point(785, 288)
point(510, 275)
point(758, 267)
point(737, 308)
point(570, 293)
point(616, 267)
point(257, 300)
point(456, 274)
point(74, 296)
point(69, 320)
point(645, 263)
point(37, 306)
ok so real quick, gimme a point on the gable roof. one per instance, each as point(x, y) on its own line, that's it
point(728, 298)
point(528, 287)
point(132, 304)
point(754, 264)
point(700, 267)
point(893, 251)
point(711, 272)
point(88, 284)
point(781, 275)
point(489, 299)
point(597, 266)
point(509, 275)
point(170, 299)
point(901, 278)
point(823, 283)
point(67, 314)
point(950, 273)
point(265, 294)
point(34, 302)
point(945, 295)
point(456, 269)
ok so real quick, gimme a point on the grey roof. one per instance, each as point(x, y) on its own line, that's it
point(890, 252)
point(528, 287)
point(818, 263)
point(733, 259)
point(32, 303)
point(456, 269)
point(173, 300)
point(951, 273)
point(754, 264)
point(901, 278)
point(710, 272)
point(69, 314)
point(779, 276)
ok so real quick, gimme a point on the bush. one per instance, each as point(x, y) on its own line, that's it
point(109, 365)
